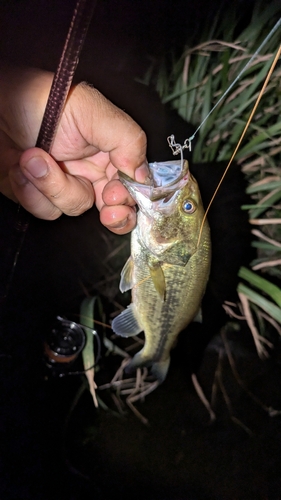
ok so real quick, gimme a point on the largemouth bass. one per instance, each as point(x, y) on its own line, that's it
point(169, 264)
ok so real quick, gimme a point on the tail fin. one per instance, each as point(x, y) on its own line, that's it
point(159, 369)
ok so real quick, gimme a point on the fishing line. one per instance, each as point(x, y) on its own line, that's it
point(274, 62)
point(267, 38)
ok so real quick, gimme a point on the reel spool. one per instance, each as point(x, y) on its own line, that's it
point(63, 344)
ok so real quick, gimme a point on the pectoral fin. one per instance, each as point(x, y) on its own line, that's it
point(126, 282)
point(158, 278)
point(126, 324)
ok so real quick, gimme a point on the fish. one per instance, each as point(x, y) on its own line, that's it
point(169, 265)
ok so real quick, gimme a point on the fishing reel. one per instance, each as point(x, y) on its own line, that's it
point(62, 347)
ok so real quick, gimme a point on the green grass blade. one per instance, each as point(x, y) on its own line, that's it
point(87, 319)
point(258, 282)
point(263, 187)
point(276, 196)
point(267, 306)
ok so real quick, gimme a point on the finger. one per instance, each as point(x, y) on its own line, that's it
point(53, 187)
point(30, 198)
point(115, 193)
point(108, 128)
point(120, 219)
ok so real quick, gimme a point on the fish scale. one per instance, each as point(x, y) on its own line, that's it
point(163, 320)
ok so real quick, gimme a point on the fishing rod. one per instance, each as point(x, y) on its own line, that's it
point(62, 81)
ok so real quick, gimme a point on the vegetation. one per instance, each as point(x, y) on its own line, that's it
point(193, 85)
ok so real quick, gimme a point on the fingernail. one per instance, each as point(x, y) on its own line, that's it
point(118, 225)
point(18, 176)
point(142, 173)
point(37, 166)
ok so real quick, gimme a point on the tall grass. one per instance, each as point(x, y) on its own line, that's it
point(193, 86)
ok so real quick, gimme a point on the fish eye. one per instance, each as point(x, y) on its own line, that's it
point(188, 207)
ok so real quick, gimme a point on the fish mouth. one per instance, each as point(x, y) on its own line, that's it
point(161, 190)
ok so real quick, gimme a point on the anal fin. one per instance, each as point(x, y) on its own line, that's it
point(126, 324)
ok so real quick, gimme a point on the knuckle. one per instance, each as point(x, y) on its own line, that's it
point(53, 214)
point(79, 206)
point(142, 138)
point(73, 198)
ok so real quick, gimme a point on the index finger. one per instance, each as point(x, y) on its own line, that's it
point(109, 129)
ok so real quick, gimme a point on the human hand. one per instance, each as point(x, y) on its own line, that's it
point(94, 140)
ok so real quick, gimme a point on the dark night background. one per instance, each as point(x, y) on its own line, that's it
point(180, 457)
